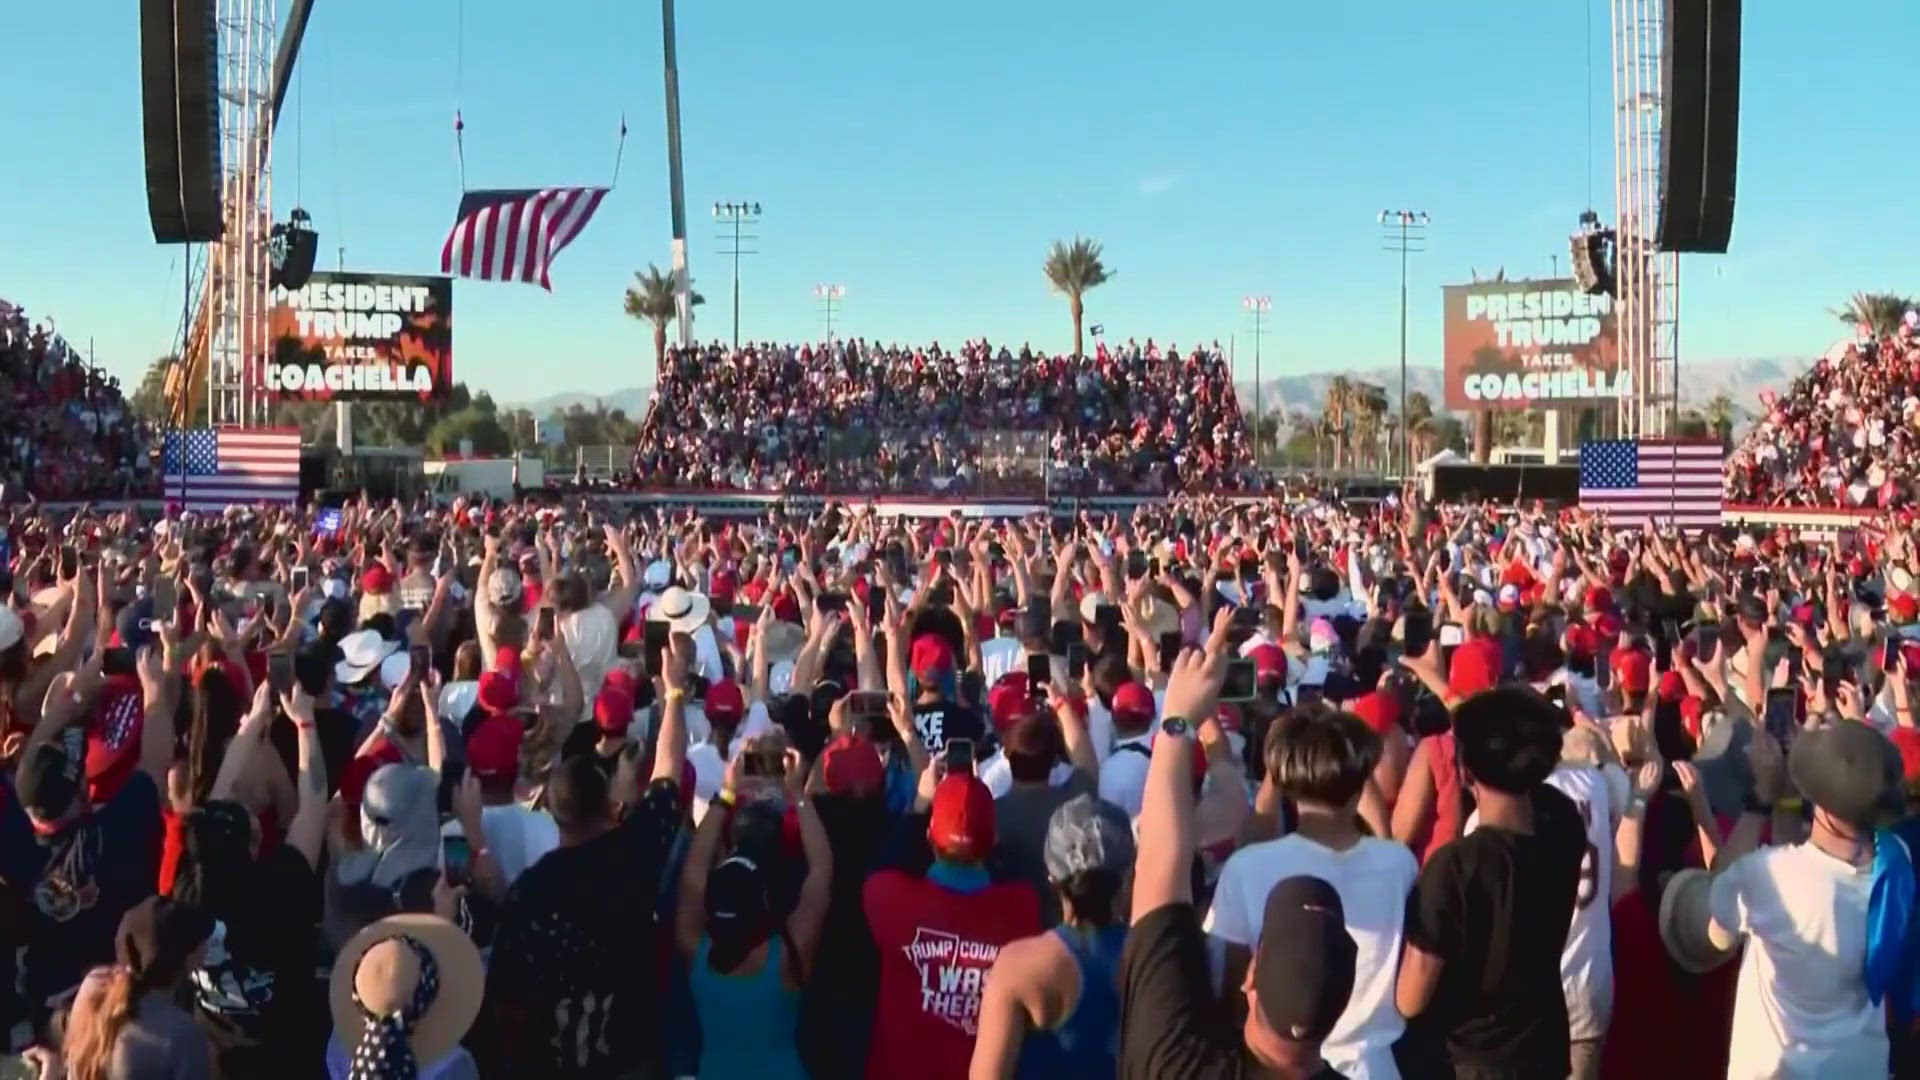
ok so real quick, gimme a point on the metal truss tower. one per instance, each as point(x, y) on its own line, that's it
point(233, 307)
point(1647, 317)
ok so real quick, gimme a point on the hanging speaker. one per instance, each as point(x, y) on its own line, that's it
point(180, 106)
point(291, 248)
point(1699, 123)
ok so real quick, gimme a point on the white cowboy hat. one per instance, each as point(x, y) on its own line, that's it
point(361, 652)
point(682, 611)
point(389, 979)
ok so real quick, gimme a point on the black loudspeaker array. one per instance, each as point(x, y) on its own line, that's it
point(1699, 124)
point(180, 98)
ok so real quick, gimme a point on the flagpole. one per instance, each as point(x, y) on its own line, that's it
point(676, 187)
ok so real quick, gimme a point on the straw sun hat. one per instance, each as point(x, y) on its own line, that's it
point(378, 974)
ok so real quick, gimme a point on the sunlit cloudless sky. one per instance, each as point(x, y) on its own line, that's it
point(925, 155)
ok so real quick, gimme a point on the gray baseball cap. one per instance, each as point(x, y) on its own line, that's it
point(1088, 834)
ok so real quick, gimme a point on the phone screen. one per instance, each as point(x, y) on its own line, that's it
point(1242, 681)
point(1066, 635)
point(876, 604)
point(421, 657)
point(867, 705)
point(1039, 674)
point(280, 672)
point(1417, 631)
point(1170, 644)
point(300, 576)
point(959, 756)
point(544, 628)
point(1451, 635)
point(1782, 714)
point(1076, 661)
point(117, 661)
point(1704, 637)
point(655, 643)
point(830, 603)
point(1557, 694)
point(456, 857)
point(1890, 655)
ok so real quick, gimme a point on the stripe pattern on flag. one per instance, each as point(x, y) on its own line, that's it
point(210, 469)
point(1637, 481)
point(514, 235)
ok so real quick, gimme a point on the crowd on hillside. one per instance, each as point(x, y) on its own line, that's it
point(66, 431)
point(860, 417)
point(1284, 789)
point(1844, 434)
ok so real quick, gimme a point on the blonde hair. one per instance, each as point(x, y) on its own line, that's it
point(104, 1007)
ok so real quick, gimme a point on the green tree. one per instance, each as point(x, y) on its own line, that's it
point(1693, 425)
point(1072, 269)
point(1720, 413)
point(652, 297)
point(472, 424)
point(149, 401)
point(1879, 312)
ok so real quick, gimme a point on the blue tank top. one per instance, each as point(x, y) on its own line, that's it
point(1087, 1042)
point(750, 1020)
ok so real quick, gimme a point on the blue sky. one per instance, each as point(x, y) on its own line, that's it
point(924, 155)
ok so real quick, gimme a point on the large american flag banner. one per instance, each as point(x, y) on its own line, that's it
point(210, 469)
point(515, 235)
point(1664, 481)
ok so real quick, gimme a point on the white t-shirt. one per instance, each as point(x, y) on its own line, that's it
point(998, 775)
point(1586, 961)
point(1373, 878)
point(999, 656)
point(1123, 775)
point(1801, 1008)
point(516, 836)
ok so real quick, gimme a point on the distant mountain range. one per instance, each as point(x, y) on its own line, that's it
point(1741, 380)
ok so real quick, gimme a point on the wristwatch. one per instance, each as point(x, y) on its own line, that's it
point(1175, 728)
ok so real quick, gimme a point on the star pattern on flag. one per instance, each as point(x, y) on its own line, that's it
point(1613, 463)
point(199, 449)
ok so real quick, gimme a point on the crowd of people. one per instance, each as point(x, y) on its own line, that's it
point(66, 432)
point(1277, 788)
point(1846, 434)
point(860, 417)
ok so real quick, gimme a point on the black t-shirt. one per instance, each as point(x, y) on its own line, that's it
point(942, 720)
point(1495, 906)
point(1170, 1022)
point(572, 989)
point(80, 881)
point(256, 993)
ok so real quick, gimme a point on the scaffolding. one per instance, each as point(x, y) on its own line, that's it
point(235, 294)
point(1648, 314)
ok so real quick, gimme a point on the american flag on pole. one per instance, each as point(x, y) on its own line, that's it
point(1635, 481)
point(515, 235)
point(210, 469)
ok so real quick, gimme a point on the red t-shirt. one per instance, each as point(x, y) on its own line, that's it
point(1907, 741)
point(936, 947)
point(1666, 1022)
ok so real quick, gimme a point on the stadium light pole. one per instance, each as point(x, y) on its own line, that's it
point(739, 215)
point(1258, 307)
point(829, 295)
point(1406, 229)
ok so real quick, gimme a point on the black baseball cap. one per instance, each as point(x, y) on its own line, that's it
point(1303, 967)
point(49, 777)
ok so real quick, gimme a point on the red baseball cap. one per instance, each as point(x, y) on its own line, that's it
point(1135, 700)
point(1903, 607)
point(1599, 598)
point(499, 691)
point(613, 709)
point(851, 765)
point(1269, 662)
point(494, 747)
point(961, 826)
point(786, 608)
point(1672, 686)
point(1581, 642)
point(930, 657)
point(1378, 710)
point(377, 580)
point(1007, 701)
point(1633, 670)
point(1475, 667)
point(113, 737)
point(725, 701)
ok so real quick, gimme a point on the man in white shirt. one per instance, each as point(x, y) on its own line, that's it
point(1802, 1008)
point(516, 836)
point(1320, 760)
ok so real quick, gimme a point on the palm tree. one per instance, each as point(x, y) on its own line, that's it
point(1072, 269)
point(652, 296)
point(1370, 414)
point(1878, 312)
point(1339, 413)
point(1419, 426)
point(1720, 413)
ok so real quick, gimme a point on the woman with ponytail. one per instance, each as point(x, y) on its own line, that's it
point(127, 1022)
point(747, 960)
